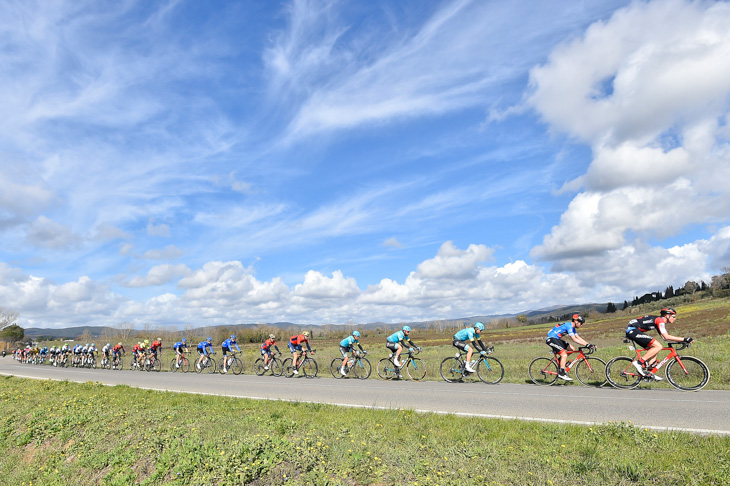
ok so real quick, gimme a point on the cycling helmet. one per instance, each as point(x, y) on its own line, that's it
point(159, 339)
point(668, 311)
point(233, 336)
point(356, 333)
point(271, 336)
point(184, 340)
point(108, 344)
point(305, 333)
point(579, 318)
point(119, 344)
point(146, 342)
point(479, 326)
point(93, 345)
point(406, 329)
point(210, 339)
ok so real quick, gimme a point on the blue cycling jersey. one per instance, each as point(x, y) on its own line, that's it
point(348, 342)
point(205, 344)
point(397, 337)
point(561, 330)
point(229, 343)
point(466, 334)
point(179, 345)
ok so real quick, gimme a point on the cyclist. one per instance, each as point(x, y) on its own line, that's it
point(559, 347)
point(347, 347)
point(92, 351)
point(203, 350)
point(137, 352)
point(180, 347)
point(397, 340)
point(470, 335)
point(226, 347)
point(77, 354)
point(636, 332)
point(154, 347)
point(117, 351)
point(106, 350)
point(295, 346)
point(266, 350)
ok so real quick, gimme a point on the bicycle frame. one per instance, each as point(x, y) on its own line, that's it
point(658, 364)
point(569, 364)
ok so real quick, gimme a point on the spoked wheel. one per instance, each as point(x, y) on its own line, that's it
point(309, 367)
point(591, 372)
point(362, 368)
point(335, 366)
point(211, 367)
point(236, 366)
point(184, 365)
point(490, 370)
point(543, 371)
point(173, 365)
point(622, 374)
point(276, 367)
point(416, 369)
point(386, 369)
point(688, 373)
point(288, 368)
point(258, 367)
point(450, 369)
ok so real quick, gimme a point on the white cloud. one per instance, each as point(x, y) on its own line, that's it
point(46, 233)
point(159, 275)
point(450, 262)
point(393, 243)
point(161, 229)
point(170, 252)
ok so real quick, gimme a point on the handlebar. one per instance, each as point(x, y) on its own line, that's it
point(679, 345)
point(587, 349)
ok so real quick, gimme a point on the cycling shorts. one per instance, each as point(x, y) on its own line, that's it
point(294, 349)
point(640, 338)
point(201, 350)
point(391, 346)
point(462, 345)
point(226, 349)
point(345, 351)
point(266, 352)
point(557, 345)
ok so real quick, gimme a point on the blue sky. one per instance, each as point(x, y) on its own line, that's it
point(191, 163)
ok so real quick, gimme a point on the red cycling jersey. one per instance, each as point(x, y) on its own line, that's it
point(268, 344)
point(155, 346)
point(298, 340)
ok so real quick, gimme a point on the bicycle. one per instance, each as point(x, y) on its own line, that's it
point(590, 371)
point(415, 367)
point(90, 362)
point(117, 363)
point(151, 363)
point(306, 365)
point(275, 366)
point(183, 365)
point(488, 368)
point(358, 365)
point(208, 364)
point(234, 363)
point(683, 372)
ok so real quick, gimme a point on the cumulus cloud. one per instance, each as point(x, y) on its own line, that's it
point(161, 229)
point(46, 233)
point(170, 252)
point(648, 89)
point(159, 275)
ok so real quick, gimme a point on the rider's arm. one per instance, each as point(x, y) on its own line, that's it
point(239, 349)
point(360, 346)
point(410, 343)
point(479, 345)
point(579, 340)
point(277, 348)
point(308, 348)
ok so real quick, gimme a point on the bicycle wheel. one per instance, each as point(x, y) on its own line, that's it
point(287, 368)
point(173, 365)
point(258, 367)
point(212, 366)
point(335, 366)
point(237, 366)
point(276, 367)
point(386, 369)
point(688, 374)
point(198, 367)
point(416, 369)
point(309, 367)
point(184, 365)
point(490, 370)
point(543, 371)
point(591, 371)
point(362, 368)
point(620, 373)
point(157, 365)
point(450, 369)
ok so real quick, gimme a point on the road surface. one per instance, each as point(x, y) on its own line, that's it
point(704, 412)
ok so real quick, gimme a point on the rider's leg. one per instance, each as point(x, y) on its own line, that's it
point(398, 350)
point(652, 351)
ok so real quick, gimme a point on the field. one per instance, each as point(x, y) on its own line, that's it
point(67, 433)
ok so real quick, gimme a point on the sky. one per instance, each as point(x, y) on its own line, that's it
point(185, 163)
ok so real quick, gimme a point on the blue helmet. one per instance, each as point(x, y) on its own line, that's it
point(210, 339)
point(233, 336)
point(479, 326)
point(184, 340)
point(406, 329)
point(356, 333)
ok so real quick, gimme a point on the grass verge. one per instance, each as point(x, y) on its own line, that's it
point(67, 433)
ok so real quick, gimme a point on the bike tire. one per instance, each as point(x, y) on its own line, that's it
point(490, 370)
point(184, 365)
point(276, 367)
point(173, 368)
point(386, 369)
point(416, 369)
point(362, 368)
point(620, 373)
point(450, 369)
point(694, 376)
point(211, 367)
point(543, 371)
point(120, 364)
point(237, 366)
point(335, 366)
point(310, 368)
point(591, 371)
point(258, 367)
point(288, 368)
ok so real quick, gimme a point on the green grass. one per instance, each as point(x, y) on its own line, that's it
point(67, 433)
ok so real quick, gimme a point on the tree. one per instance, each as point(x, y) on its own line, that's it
point(626, 305)
point(7, 318)
point(522, 318)
point(611, 308)
point(12, 333)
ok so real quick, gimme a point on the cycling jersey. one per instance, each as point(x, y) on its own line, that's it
point(349, 342)
point(561, 330)
point(203, 347)
point(229, 343)
point(268, 344)
point(155, 346)
point(179, 346)
point(468, 334)
point(297, 340)
point(398, 337)
point(648, 323)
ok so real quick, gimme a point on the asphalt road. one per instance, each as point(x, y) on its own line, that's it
point(704, 412)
